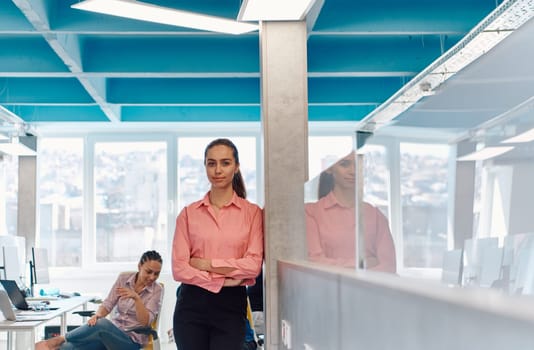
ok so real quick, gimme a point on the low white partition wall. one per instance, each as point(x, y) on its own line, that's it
point(333, 308)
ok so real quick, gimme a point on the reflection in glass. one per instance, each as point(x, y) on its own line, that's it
point(424, 195)
point(331, 223)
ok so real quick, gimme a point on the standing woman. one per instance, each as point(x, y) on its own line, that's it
point(217, 251)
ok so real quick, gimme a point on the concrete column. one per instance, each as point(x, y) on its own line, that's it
point(284, 102)
point(464, 195)
point(27, 201)
point(520, 207)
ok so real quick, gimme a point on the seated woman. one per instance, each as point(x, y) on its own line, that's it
point(138, 301)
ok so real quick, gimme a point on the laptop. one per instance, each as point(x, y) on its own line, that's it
point(14, 293)
point(9, 314)
point(16, 296)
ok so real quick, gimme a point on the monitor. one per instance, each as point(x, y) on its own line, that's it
point(39, 266)
point(10, 263)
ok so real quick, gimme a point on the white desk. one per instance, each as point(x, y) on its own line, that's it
point(65, 306)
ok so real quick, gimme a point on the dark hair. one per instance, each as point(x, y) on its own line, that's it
point(150, 255)
point(326, 184)
point(237, 182)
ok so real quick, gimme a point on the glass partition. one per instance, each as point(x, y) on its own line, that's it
point(455, 209)
point(331, 219)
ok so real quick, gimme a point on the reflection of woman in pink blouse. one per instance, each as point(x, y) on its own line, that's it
point(331, 223)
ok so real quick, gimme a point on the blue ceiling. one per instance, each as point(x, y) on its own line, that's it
point(59, 64)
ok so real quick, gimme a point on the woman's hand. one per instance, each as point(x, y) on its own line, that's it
point(205, 265)
point(200, 264)
point(127, 293)
point(230, 282)
point(92, 321)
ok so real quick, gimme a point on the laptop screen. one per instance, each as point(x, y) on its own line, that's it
point(14, 293)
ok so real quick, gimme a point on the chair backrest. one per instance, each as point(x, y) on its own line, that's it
point(153, 343)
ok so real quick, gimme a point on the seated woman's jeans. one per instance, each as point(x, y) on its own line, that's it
point(103, 335)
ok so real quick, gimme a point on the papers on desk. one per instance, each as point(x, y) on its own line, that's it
point(42, 298)
point(28, 315)
point(32, 313)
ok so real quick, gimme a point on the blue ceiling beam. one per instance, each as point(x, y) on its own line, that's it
point(35, 114)
point(11, 19)
point(408, 17)
point(23, 53)
point(191, 114)
point(183, 91)
point(343, 90)
point(401, 54)
point(339, 113)
point(42, 90)
point(156, 114)
point(210, 53)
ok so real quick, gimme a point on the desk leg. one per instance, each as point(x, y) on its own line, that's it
point(63, 326)
point(9, 340)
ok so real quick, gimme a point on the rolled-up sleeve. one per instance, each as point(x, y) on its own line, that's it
point(248, 266)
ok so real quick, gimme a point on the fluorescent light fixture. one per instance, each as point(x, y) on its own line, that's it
point(3, 137)
point(274, 10)
point(524, 137)
point(485, 153)
point(506, 18)
point(164, 15)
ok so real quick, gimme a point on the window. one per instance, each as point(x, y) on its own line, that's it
point(8, 190)
point(130, 199)
point(61, 199)
point(423, 181)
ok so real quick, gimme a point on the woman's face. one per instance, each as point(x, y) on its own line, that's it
point(149, 272)
point(344, 173)
point(220, 166)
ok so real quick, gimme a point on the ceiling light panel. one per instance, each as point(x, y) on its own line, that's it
point(274, 10)
point(164, 15)
point(524, 137)
point(486, 153)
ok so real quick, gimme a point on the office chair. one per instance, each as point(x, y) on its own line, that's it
point(151, 331)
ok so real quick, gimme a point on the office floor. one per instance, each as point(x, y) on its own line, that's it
point(163, 345)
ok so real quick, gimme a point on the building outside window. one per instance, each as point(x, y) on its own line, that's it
point(9, 166)
point(61, 199)
point(424, 193)
point(130, 199)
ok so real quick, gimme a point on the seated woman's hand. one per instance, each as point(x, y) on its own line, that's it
point(127, 293)
point(92, 320)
